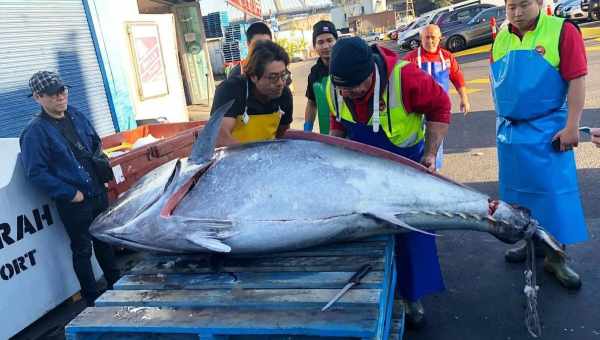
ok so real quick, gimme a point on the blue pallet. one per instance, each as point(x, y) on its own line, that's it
point(269, 296)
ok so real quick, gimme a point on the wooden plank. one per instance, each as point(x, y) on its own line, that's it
point(247, 298)
point(224, 321)
point(281, 280)
point(201, 264)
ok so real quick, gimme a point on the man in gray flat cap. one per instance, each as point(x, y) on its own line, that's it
point(62, 155)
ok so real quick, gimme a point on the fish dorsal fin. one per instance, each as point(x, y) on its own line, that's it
point(390, 218)
point(205, 144)
point(201, 239)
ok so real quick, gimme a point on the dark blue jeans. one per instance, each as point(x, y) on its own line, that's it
point(77, 218)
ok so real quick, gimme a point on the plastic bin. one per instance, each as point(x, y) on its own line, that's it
point(175, 141)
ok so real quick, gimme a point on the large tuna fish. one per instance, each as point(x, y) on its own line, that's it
point(299, 192)
point(295, 193)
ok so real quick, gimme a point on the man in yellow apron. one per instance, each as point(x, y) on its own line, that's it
point(262, 107)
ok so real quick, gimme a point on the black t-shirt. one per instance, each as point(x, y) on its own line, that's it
point(66, 127)
point(235, 88)
point(317, 72)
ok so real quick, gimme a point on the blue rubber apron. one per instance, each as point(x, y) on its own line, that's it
point(417, 261)
point(441, 74)
point(532, 174)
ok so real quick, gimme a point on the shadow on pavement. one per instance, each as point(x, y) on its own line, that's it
point(478, 129)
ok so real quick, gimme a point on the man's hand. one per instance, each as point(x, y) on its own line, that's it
point(595, 132)
point(78, 197)
point(428, 161)
point(569, 137)
point(465, 105)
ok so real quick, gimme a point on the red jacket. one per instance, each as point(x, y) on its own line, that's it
point(456, 75)
point(420, 94)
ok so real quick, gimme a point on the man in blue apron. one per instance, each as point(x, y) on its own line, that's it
point(538, 64)
point(442, 66)
point(377, 99)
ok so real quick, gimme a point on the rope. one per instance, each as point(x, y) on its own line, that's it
point(532, 318)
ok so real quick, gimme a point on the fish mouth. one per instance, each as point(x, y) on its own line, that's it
point(512, 223)
point(509, 223)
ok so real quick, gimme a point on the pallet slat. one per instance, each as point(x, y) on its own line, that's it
point(334, 322)
point(248, 298)
point(247, 280)
point(202, 264)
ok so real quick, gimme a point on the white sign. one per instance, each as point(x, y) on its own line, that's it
point(148, 59)
point(36, 270)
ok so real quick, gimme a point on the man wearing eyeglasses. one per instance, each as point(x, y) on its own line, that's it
point(377, 99)
point(262, 107)
point(55, 150)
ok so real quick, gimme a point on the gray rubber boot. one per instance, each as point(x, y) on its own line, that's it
point(518, 253)
point(557, 266)
point(415, 314)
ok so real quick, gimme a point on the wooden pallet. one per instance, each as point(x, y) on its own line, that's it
point(273, 296)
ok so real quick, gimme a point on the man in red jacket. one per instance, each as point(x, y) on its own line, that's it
point(377, 99)
point(442, 66)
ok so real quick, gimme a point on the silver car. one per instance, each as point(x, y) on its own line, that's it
point(570, 10)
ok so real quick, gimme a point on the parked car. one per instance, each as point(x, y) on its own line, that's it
point(475, 32)
point(592, 7)
point(446, 20)
point(459, 15)
point(406, 39)
point(571, 9)
point(373, 36)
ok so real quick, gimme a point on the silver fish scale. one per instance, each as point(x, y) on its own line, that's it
point(296, 179)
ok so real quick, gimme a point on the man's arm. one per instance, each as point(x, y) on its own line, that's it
point(596, 136)
point(281, 130)
point(309, 115)
point(458, 80)
point(225, 137)
point(434, 136)
point(569, 135)
point(422, 94)
point(35, 160)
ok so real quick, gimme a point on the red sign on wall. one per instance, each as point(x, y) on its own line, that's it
point(250, 7)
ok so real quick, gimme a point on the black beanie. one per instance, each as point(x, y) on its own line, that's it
point(351, 62)
point(321, 27)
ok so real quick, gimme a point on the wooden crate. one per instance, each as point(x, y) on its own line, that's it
point(269, 296)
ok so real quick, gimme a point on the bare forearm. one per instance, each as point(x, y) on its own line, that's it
point(281, 130)
point(434, 137)
point(337, 133)
point(576, 99)
point(226, 139)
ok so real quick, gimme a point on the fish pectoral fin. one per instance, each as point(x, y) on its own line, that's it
point(392, 219)
point(200, 238)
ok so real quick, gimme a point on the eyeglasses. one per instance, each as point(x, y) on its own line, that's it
point(274, 78)
point(63, 90)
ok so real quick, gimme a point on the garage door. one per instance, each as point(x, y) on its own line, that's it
point(48, 35)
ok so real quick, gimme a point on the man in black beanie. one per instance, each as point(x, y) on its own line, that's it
point(324, 37)
point(376, 98)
